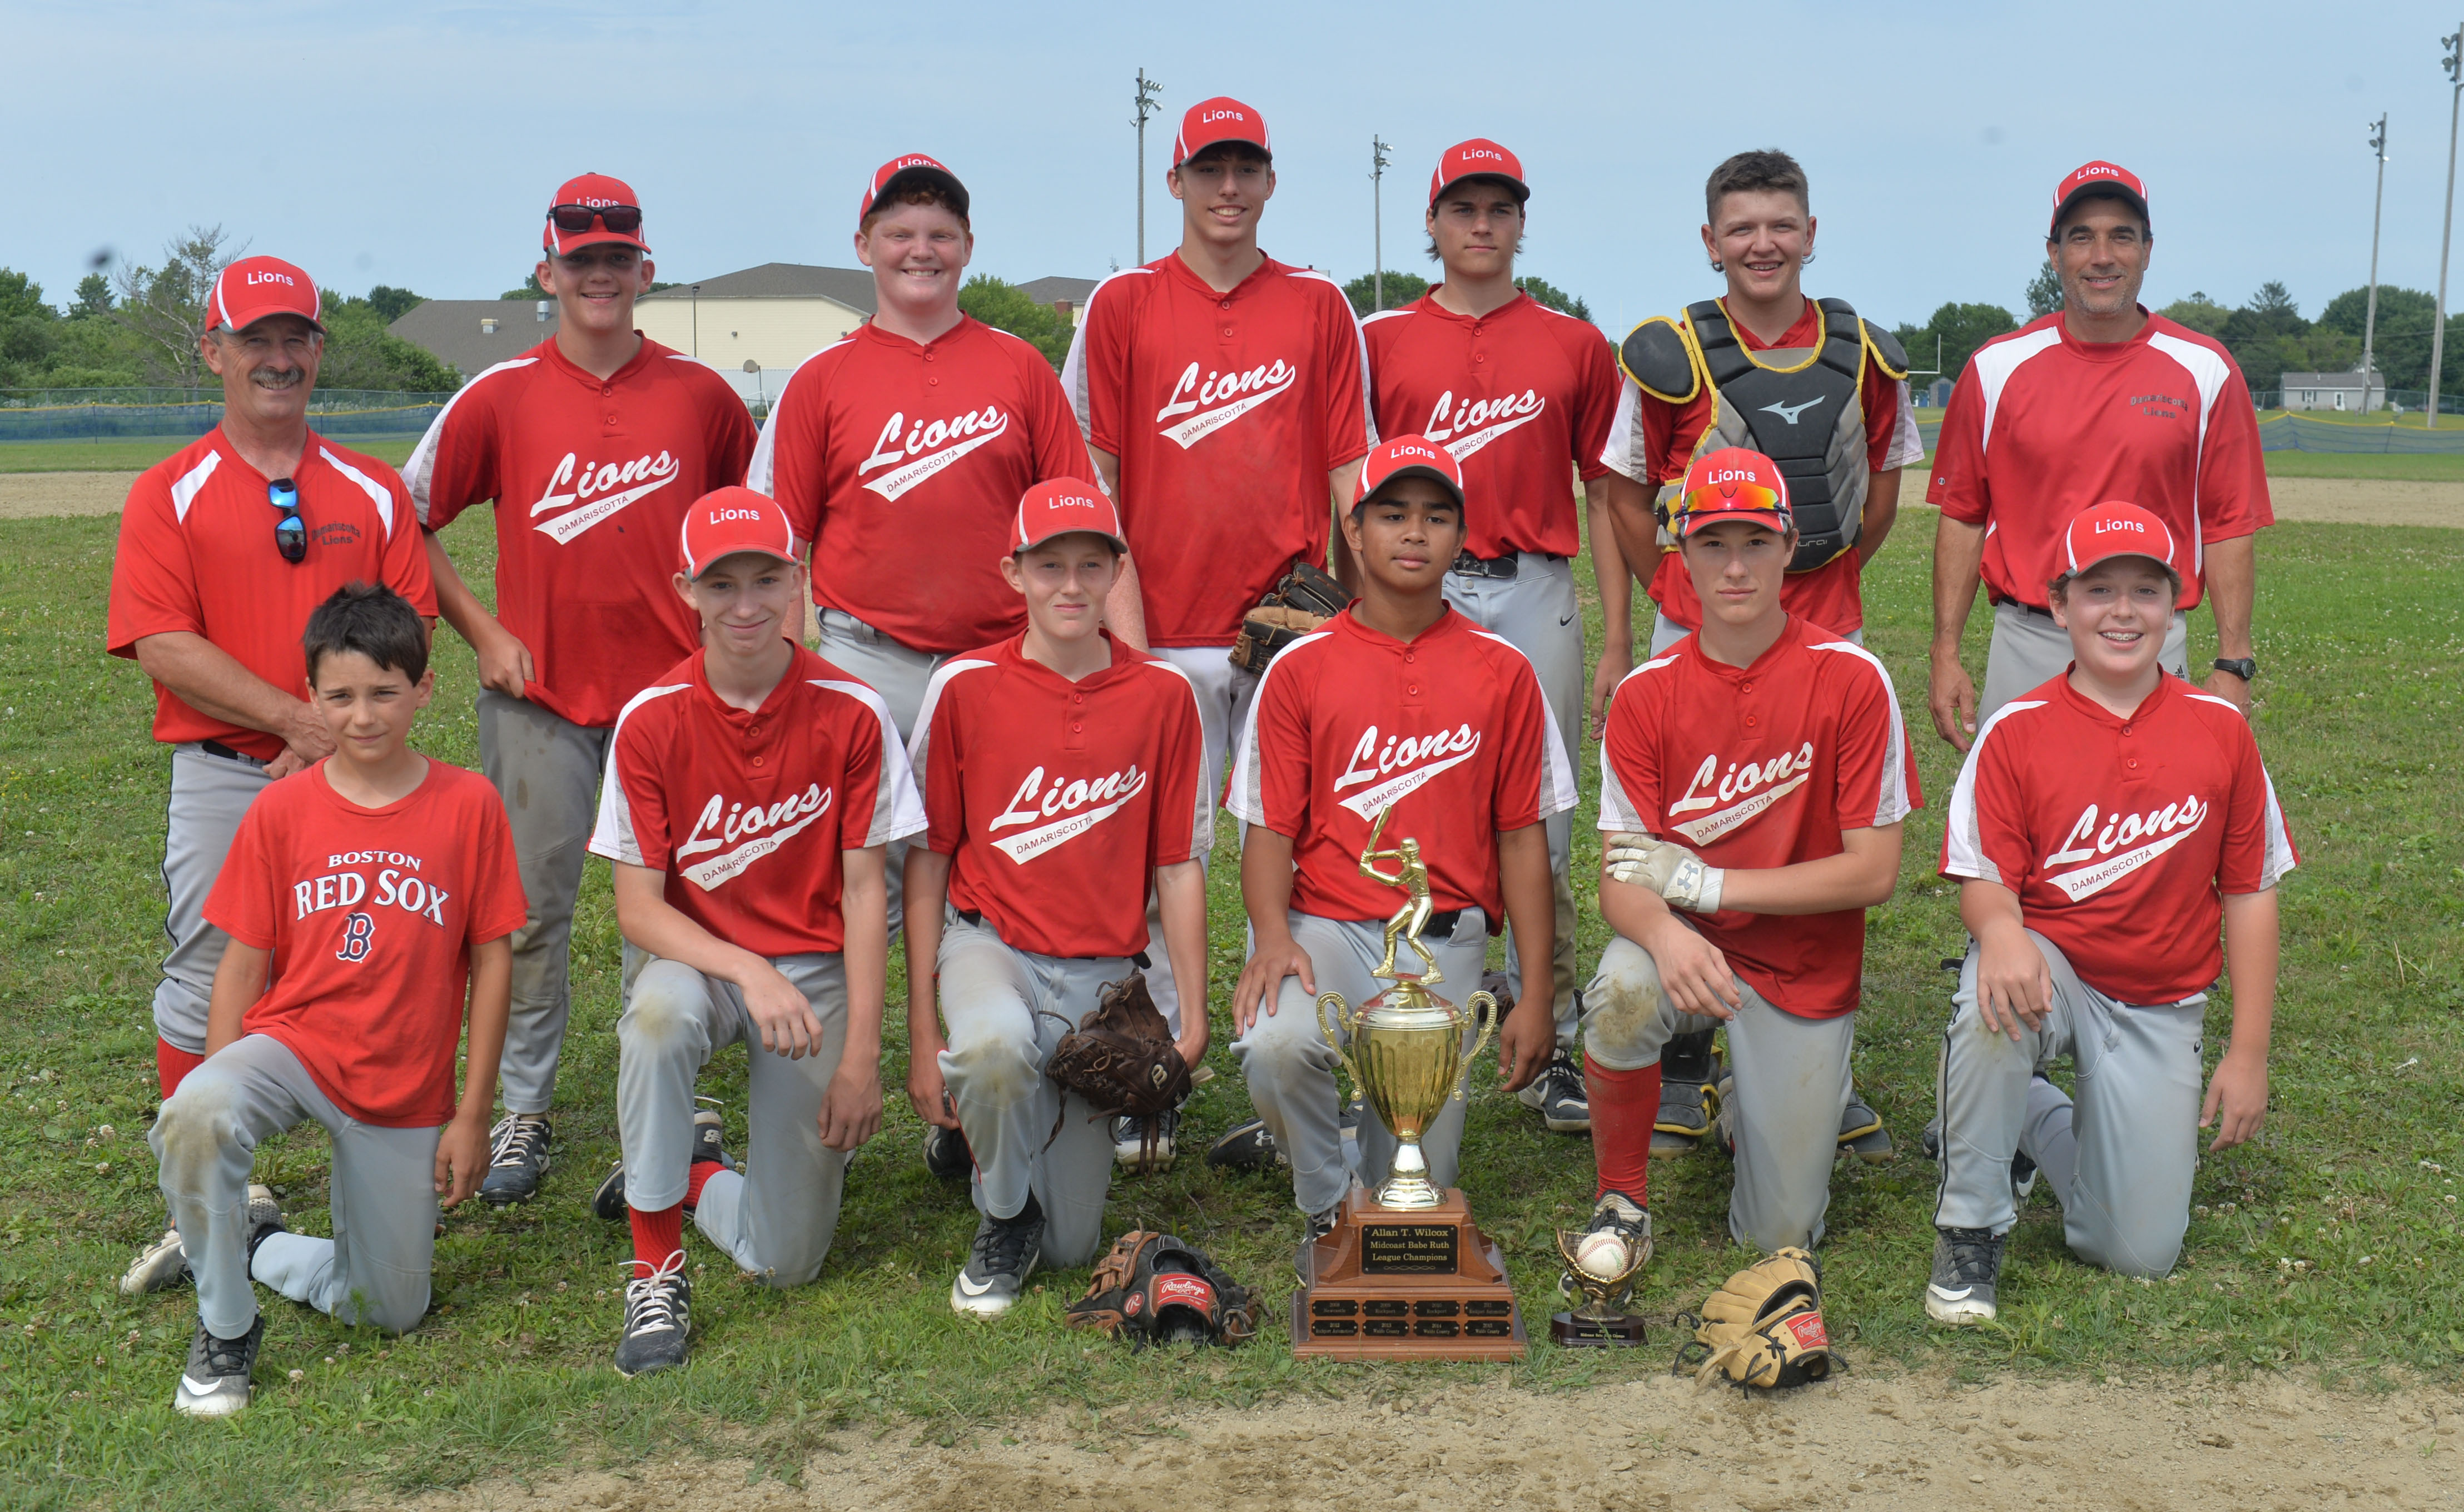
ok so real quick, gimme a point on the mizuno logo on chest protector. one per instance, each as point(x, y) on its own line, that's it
point(1789, 412)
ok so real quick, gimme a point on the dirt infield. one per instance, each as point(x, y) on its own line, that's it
point(2352, 501)
point(1907, 1443)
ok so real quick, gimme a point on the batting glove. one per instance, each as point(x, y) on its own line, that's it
point(1666, 867)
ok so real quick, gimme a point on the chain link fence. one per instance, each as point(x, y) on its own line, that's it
point(104, 414)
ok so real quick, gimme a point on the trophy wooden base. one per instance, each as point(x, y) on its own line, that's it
point(1425, 1285)
point(1574, 1331)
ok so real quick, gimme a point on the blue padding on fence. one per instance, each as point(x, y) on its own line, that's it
point(107, 422)
point(2302, 433)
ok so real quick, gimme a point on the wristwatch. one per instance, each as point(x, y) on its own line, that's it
point(2245, 667)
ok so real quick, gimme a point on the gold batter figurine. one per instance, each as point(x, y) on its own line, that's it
point(1413, 877)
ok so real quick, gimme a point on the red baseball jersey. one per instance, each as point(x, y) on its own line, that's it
point(2107, 828)
point(1519, 396)
point(1764, 766)
point(2043, 425)
point(1652, 441)
point(903, 464)
point(1450, 729)
point(1056, 800)
point(591, 479)
point(747, 813)
point(370, 915)
point(1227, 411)
point(197, 554)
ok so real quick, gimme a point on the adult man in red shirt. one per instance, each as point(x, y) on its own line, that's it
point(2099, 399)
point(899, 453)
point(591, 446)
point(2106, 822)
point(1516, 392)
point(1758, 775)
point(226, 548)
point(1767, 368)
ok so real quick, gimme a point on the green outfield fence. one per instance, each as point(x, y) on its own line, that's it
point(103, 414)
point(2308, 432)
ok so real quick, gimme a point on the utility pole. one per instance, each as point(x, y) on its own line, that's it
point(1378, 223)
point(2371, 321)
point(2454, 63)
point(1148, 89)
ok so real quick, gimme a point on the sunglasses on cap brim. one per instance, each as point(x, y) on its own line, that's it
point(623, 220)
point(1739, 499)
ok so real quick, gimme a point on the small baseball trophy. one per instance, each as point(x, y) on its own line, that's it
point(1406, 1274)
point(1603, 1267)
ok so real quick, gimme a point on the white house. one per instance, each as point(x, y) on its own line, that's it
point(2348, 392)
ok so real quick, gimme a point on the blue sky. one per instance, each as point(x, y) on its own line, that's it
point(417, 144)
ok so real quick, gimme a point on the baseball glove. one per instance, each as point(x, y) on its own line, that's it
point(1306, 599)
point(1763, 1326)
point(1154, 1290)
point(1121, 1060)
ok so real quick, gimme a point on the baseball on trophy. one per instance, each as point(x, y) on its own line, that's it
point(1602, 1256)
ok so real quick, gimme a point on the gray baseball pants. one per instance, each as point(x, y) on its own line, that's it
point(2030, 649)
point(1005, 1009)
point(1290, 1066)
point(1536, 613)
point(778, 1222)
point(900, 673)
point(375, 1268)
point(2120, 1160)
point(547, 769)
point(1791, 1081)
point(209, 796)
point(1225, 692)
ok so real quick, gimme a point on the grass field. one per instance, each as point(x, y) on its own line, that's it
point(2326, 1247)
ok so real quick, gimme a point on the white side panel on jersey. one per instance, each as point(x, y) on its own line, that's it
point(2280, 858)
point(1201, 832)
point(184, 493)
point(897, 807)
point(1891, 803)
point(1558, 792)
point(613, 835)
point(1243, 792)
point(1962, 841)
point(2208, 371)
point(919, 746)
point(1617, 813)
point(758, 472)
point(1621, 453)
point(1907, 442)
point(1073, 367)
point(1995, 362)
point(377, 494)
point(1359, 345)
point(419, 471)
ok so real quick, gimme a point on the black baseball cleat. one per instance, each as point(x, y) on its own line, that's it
point(1129, 1142)
point(1249, 1147)
point(1558, 1095)
point(1319, 1227)
point(516, 1159)
point(1005, 1252)
point(1862, 1133)
point(1723, 1123)
point(1966, 1268)
point(946, 1154)
point(710, 1130)
point(658, 1320)
point(1689, 1068)
point(215, 1384)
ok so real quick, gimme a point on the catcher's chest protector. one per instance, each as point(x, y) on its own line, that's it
point(1801, 406)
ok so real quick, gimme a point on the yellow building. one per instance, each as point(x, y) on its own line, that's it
point(774, 317)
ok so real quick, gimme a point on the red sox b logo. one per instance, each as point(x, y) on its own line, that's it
point(359, 933)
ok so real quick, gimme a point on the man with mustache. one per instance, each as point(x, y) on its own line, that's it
point(226, 548)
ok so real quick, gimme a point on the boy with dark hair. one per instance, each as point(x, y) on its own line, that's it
point(363, 897)
point(1754, 778)
point(1821, 392)
point(2104, 824)
point(590, 445)
point(1063, 781)
point(1399, 706)
point(755, 789)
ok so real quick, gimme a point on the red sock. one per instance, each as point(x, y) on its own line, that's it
point(172, 1064)
point(1624, 1106)
point(699, 1178)
point(656, 1235)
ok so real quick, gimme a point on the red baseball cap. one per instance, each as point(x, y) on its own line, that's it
point(1408, 456)
point(254, 288)
point(1059, 507)
point(1222, 119)
point(725, 522)
point(1478, 158)
point(909, 167)
point(1731, 483)
point(2104, 178)
point(599, 193)
point(2116, 529)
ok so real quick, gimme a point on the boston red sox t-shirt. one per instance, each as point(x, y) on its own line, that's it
point(370, 915)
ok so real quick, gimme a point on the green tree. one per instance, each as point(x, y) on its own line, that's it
point(2264, 333)
point(1543, 292)
point(530, 290)
point(392, 303)
point(2400, 347)
point(2044, 291)
point(1401, 289)
point(1960, 329)
point(27, 335)
point(165, 307)
point(2199, 313)
point(361, 353)
point(1005, 306)
point(93, 297)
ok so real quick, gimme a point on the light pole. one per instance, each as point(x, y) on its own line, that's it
point(1376, 223)
point(696, 319)
point(2371, 321)
point(761, 394)
point(1148, 89)
point(2454, 63)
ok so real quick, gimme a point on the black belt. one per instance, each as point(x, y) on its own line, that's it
point(1137, 958)
point(1442, 924)
point(2042, 614)
point(1502, 567)
point(215, 748)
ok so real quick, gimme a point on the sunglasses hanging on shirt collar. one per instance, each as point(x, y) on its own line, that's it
point(290, 532)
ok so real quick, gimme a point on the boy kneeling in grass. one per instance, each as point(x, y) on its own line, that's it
point(365, 897)
point(2102, 827)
